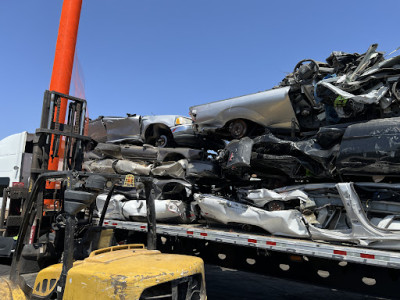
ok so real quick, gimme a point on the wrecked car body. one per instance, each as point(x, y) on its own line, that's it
point(293, 151)
point(238, 116)
point(371, 149)
point(360, 213)
point(285, 223)
point(146, 153)
point(346, 88)
point(153, 130)
point(171, 201)
point(364, 214)
point(120, 208)
point(160, 131)
point(350, 150)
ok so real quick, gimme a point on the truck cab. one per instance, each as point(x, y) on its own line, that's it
point(15, 168)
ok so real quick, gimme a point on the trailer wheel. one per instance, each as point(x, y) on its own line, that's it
point(238, 128)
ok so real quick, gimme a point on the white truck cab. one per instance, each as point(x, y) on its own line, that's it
point(15, 160)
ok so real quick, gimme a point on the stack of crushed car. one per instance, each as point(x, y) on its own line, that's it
point(282, 160)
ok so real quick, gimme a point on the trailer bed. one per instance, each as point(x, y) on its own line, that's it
point(226, 235)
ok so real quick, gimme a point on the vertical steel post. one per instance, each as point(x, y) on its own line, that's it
point(3, 209)
point(151, 216)
point(64, 60)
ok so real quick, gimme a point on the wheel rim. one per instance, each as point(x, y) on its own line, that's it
point(238, 129)
point(162, 141)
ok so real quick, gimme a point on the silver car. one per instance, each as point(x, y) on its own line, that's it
point(239, 116)
point(161, 131)
point(136, 129)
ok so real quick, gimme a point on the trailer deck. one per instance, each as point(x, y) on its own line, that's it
point(381, 258)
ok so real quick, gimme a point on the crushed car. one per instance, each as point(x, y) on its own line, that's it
point(315, 157)
point(341, 152)
point(171, 201)
point(160, 131)
point(365, 214)
point(346, 88)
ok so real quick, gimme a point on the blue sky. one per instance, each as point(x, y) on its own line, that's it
point(163, 56)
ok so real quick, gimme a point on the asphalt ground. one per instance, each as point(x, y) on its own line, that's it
point(231, 284)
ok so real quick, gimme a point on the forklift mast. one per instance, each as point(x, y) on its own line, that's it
point(62, 69)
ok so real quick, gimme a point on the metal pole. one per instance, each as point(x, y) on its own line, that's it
point(151, 217)
point(3, 208)
point(63, 61)
point(105, 206)
point(68, 259)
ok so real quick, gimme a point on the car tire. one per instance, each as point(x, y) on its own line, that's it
point(163, 139)
point(238, 128)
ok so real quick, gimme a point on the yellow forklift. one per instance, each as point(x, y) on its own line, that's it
point(63, 253)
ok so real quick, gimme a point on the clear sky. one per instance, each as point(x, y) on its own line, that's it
point(163, 56)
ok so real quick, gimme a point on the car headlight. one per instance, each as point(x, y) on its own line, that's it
point(182, 121)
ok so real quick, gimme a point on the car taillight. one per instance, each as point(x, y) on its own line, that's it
point(18, 184)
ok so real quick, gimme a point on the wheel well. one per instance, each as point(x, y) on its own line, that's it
point(161, 127)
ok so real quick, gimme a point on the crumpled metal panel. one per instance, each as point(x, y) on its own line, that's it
point(285, 222)
point(306, 153)
point(187, 169)
point(171, 169)
point(129, 167)
point(99, 166)
point(362, 231)
point(116, 129)
point(135, 153)
point(239, 153)
point(114, 209)
point(120, 208)
point(163, 188)
point(171, 154)
point(105, 150)
point(97, 131)
point(145, 153)
point(388, 222)
point(371, 148)
point(202, 169)
point(260, 197)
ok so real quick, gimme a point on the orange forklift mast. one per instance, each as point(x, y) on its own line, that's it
point(50, 153)
point(61, 79)
point(62, 71)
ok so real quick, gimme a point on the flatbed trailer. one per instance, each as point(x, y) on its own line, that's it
point(363, 270)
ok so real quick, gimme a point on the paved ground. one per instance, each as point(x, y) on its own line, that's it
point(234, 285)
point(231, 284)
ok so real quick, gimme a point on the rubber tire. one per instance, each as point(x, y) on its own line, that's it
point(162, 141)
point(238, 128)
point(166, 136)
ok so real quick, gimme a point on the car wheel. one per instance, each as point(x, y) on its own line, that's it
point(160, 138)
point(164, 139)
point(161, 141)
point(238, 128)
